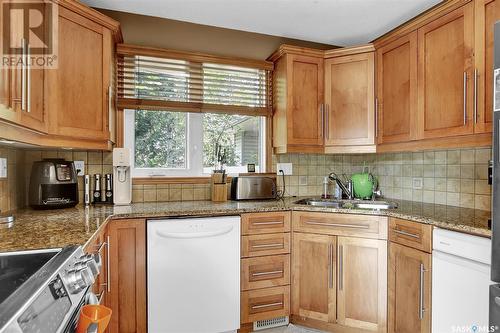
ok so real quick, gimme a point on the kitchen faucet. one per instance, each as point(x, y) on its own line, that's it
point(346, 186)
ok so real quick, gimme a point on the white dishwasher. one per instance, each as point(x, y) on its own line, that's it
point(193, 275)
point(460, 282)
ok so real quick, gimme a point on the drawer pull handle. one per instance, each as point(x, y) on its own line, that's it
point(340, 225)
point(404, 233)
point(101, 246)
point(264, 246)
point(267, 273)
point(268, 223)
point(255, 307)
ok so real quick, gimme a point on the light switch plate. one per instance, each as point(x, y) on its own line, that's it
point(286, 167)
point(3, 168)
point(80, 167)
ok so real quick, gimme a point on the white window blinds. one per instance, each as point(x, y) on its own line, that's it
point(192, 84)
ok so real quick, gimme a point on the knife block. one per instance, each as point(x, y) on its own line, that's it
point(219, 188)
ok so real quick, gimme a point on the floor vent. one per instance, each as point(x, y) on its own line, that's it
point(270, 323)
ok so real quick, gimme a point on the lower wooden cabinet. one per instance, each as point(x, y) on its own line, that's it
point(409, 290)
point(127, 263)
point(362, 283)
point(313, 276)
point(265, 303)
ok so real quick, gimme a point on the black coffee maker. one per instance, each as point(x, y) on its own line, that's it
point(53, 184)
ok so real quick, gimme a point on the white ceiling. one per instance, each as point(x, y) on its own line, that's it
point(337, 22)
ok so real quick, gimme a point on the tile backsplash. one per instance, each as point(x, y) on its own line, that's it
point(452, 177)
point(456, 177)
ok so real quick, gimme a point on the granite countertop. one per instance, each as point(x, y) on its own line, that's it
point(35, 229)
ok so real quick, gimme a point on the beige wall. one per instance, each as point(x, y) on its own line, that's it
point(171, 34)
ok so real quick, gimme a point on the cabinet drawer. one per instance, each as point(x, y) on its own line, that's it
point(412, 234)
point(265, 272)
point(265, 223)
point(264, 245)
point(366, 226)
point(265, 304)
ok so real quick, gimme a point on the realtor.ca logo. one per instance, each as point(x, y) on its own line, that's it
point(29, 34)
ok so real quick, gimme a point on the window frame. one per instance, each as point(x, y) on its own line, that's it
point(194, 149)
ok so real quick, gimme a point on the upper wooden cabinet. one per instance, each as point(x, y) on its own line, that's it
point(349, 99)
point(71, 105)
point(22, 87)
point(434, 79)
point(298, 123)
point(79, 99)
point(445, 75)
point(487, 13)
point(397, 90)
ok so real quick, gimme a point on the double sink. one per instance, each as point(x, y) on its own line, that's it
point(348, 204)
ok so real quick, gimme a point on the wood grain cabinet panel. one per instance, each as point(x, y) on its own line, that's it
point(397, 90)
point(349, 100)
point(341, 224)
point(265, 272)
point(445, 75)
point(487, 12)
point(411, 234)
point(127, 294)
point(265, 245)
point(265, 223)
point(409, 290)
point(313, 277)
point(298, 102)
point(362, 283)
point(79, 87)
point(265, 303)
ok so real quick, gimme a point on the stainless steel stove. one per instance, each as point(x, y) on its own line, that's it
point(43, 290)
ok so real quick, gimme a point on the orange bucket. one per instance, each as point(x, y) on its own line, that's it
point(89, 314)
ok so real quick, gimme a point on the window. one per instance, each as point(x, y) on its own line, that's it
point(179, 110)
point(183, 144)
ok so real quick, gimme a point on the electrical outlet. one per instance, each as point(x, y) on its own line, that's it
point(3, 168)
point(80, 167)
point(286, 167)
point(303, 180)
point(417, 183)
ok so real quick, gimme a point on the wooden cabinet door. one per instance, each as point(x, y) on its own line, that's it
point(396, 108)
point(305, 100)
point(22, 87)
point(127, 263)
point(445, 76)
point(313, 277)
point(487, 13)
point(409, 290)
point(349, 100)
point(362, 283)
point(79, 87)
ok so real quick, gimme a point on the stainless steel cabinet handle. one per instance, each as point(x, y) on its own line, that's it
point(404, 233)
point(340, 225)
point(475, 95)
point(267, 223)
point(322, 116)
point(465, 98)
point(330, 266)
point(23, 76)
point(327, 121)
point(376, 117)
point(266, 305)
point(341, 267)
point(108, 270)
point(101, 246)
point(263, 246)
point(267, 273)
point(28, 81)
point(421, 294)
